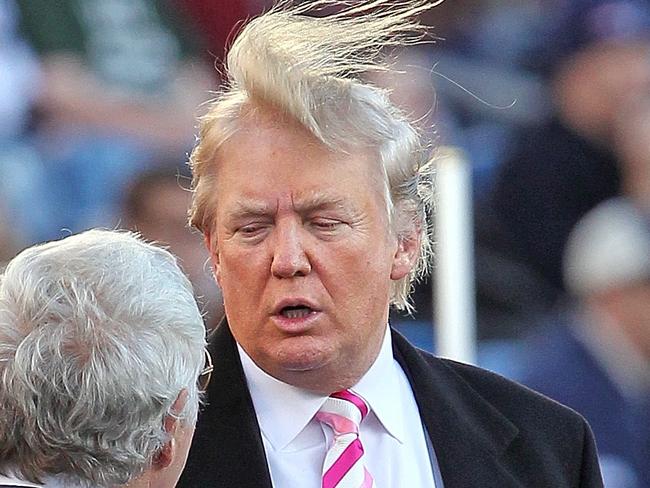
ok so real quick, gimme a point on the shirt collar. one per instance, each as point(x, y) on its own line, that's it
point(381, 390)
point(379, 387)
point(271, 396)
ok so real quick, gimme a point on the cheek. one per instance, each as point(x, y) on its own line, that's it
point(363, 275)
point(240, 275)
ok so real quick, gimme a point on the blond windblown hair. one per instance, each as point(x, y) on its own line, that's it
point(308, 65)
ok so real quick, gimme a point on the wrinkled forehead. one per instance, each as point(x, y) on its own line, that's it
point(302, 201)
point(264, 134)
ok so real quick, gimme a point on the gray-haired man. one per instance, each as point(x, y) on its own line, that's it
point(102, 361)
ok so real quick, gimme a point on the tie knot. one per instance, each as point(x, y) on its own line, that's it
point(343, 411)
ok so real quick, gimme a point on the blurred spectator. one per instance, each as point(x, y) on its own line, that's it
point(596, 358)
point(8, 243)
point(632, 140)
point(600, 67)
point(18, 75)
point(156, 204)
point(19, 78)
point(595, 54)
point(121, 84)
point(217, 19)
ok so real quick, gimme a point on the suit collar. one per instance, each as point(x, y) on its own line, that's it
point(279, 425)
point(379, 386)
point(468, 434)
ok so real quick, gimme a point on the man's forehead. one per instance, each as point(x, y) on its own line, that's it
point(300, 200)
point(255, 117)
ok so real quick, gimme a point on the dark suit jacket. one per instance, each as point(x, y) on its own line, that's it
point(486, 431)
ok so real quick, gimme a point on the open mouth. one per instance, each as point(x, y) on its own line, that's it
point(296, 312)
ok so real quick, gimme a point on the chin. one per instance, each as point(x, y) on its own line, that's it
point(304, 362)
point(300, 356)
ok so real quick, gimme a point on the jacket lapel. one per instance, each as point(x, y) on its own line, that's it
point(227, 449)
point(468, 434)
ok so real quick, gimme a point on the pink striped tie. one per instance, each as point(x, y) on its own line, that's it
point(343, 411)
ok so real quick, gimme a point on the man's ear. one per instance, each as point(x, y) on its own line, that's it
point(210, 242)
point(406, 254)
point(165, 456)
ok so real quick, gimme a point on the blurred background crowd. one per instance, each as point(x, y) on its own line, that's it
point(548, 99)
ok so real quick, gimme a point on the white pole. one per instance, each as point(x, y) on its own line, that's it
point(455, 317)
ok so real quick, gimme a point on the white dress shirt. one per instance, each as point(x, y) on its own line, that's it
point(397, 453)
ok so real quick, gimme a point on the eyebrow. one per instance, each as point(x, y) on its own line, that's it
point(303, 205)
point(252, 208)
point(320, 201)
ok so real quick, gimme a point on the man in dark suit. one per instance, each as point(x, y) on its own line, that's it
point(312, 192)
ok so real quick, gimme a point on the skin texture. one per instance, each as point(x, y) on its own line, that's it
point(170, 467)
point(297, 224)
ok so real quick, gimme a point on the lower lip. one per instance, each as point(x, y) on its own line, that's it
point(296, 325)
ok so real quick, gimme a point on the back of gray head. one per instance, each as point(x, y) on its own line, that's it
point(99, 332)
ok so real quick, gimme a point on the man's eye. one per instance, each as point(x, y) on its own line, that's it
point(326, 224)
point(250, 229)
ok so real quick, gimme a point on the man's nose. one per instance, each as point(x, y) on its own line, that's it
point(289, 257)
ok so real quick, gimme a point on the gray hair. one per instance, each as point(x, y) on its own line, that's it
point(99, 333)
point(309, 68)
